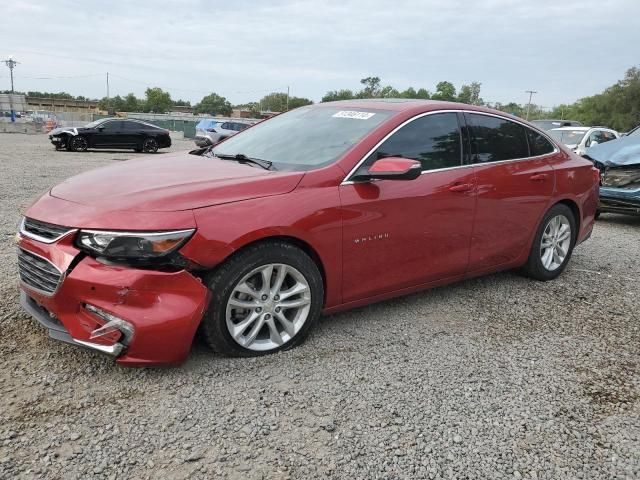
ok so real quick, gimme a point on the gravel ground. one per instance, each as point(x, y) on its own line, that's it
point(498, 377)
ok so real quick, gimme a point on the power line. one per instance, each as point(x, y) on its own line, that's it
point(164, 87)
point(62, 76)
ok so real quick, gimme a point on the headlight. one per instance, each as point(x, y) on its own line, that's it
point(139, 245)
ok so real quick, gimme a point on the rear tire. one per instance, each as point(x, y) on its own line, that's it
point(553, 244)
point(264, 323)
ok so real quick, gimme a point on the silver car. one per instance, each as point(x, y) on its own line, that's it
point(215, 131)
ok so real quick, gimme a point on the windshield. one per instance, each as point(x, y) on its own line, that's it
point(95, 123)
point(304, 138)
point(568, 137)
point(635, 132)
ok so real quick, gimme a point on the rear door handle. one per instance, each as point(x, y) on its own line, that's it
point(461, 187)
point(538, 177)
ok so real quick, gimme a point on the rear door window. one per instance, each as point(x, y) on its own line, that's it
point(538, 144)
point(494, 139)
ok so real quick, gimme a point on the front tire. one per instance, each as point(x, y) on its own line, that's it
point(263, 300)
point(553, 244)
point(150, 145)
point(78, 144)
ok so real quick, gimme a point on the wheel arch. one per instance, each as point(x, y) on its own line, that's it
point(575, 209)
point(303, 245)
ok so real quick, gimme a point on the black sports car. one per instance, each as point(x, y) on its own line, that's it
point(112, 133)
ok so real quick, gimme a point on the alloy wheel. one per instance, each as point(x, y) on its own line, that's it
point(150, 145)
point(555, 242)
point(268, 307)
point(79, 144)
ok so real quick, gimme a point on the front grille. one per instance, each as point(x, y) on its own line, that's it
point(38, 273)
point(42, 231)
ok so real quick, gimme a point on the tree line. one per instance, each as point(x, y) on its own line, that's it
point(159, 101)
point(617, 106)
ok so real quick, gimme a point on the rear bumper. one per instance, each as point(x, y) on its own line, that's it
point(164, 308)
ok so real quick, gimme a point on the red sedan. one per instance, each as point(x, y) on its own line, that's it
point(320, 209)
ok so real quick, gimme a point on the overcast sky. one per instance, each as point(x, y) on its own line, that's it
point(564, 49)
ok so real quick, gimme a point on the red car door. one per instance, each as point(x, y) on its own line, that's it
point(399, 234)
point(514, 185)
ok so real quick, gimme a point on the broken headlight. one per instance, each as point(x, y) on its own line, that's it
point(131, 245)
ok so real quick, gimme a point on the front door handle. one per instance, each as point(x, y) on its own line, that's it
point(538, 177)
point(461, 187)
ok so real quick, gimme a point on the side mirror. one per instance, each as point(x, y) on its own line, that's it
point(392, 168)
point(100, 129)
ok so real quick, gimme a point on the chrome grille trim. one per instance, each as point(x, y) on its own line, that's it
point(38, 274)
point(42, 231)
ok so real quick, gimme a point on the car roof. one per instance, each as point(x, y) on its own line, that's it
point(552, 120)
point(410, 105)
point(581, 129)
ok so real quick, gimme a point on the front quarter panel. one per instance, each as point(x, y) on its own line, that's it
point(310, 214)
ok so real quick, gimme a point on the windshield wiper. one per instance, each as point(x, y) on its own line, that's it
point(242, 158)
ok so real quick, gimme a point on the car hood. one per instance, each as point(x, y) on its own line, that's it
point(172, 182)
point(616, 153)
point(58, 131)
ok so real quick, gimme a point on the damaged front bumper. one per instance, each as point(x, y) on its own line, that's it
point(620, 190)
point(58, 331)
point(139, 316)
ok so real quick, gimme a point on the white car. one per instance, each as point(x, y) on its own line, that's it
point(211, 132)
point(579, 139)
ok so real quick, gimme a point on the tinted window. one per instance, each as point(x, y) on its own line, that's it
point(538, 145)
point(226, 126)
point(433, 140)
point(111, 126)
point(495, 139)
point(131, 126)
point(242, 126)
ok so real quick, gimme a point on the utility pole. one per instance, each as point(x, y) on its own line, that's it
point(11, 63)
point(287, 109)
point(107, 86)
point(530, 92)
